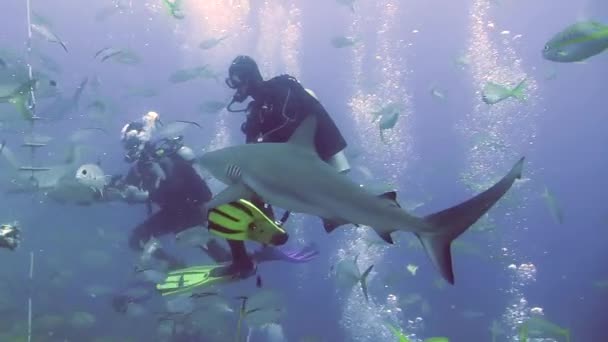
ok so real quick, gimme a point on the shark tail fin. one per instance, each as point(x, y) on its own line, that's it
point(452, 222)
point(363, 281)
point(519, 91)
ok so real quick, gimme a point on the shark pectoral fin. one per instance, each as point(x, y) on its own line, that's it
point(331, 224)
point(385, 235)
point(452, 222)
point(363, 281)
point(232, 193)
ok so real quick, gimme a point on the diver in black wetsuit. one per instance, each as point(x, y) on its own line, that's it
point(279, 105)
point(164, 173)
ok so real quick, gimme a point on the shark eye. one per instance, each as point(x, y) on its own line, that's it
point(546, 48)
point(84, 172)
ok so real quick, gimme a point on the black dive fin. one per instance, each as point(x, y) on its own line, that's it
point(452, 222)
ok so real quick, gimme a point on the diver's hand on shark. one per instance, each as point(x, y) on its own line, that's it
point(132, 194)
point(112, 195)
point(129, 194)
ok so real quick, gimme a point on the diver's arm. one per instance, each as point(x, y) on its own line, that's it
point(126, 189)
point(199, 183)
point(187, 154)
point(133, 194)
point(132, 177)
point(129, 193)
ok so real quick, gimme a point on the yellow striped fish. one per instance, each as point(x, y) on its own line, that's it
point(577, 42)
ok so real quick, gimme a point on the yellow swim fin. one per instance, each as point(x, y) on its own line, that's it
point(187, 279)
point(243, 221)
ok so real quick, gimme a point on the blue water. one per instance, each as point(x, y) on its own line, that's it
point(406, 48)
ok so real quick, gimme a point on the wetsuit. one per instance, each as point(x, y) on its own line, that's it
point(280, 106)
point(180, 193)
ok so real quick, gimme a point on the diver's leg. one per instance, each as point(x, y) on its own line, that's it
point(192, 216)
point(241, 265)
point(160, 223)
point(140, 235)
point(187, 217)
point(217, 252)
point(239, 254)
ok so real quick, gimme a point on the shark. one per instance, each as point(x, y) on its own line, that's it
point(59, 182)
point(291, 176)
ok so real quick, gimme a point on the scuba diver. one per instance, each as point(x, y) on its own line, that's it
point(163, 172)
point(279, 106)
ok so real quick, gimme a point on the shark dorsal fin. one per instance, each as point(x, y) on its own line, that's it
point(390, 195)
point(304, 135)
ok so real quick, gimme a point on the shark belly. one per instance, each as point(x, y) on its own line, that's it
point(285, 198)
point(311, 186)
